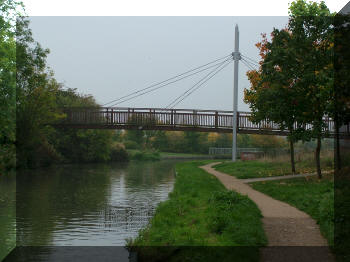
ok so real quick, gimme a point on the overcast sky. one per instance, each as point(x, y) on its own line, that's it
point(111, 56)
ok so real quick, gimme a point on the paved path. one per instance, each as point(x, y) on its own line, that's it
point(284, 225)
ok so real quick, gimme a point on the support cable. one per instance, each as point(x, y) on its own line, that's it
point(254, 61)
point(199, 82)
point(158, 87)
point(247, 64)
point(193, 90)
point(159, 83)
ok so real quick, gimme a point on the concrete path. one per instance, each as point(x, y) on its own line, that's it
point(284, 225)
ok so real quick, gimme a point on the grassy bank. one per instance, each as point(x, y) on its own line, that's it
point(314, 197)
point(166, 155)
point(151, 155)
point(139, 155)
point(200, 212)
point(274, 166)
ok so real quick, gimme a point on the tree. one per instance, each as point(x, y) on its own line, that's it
point(313, 42)
point(36, 92)
point(8, 13)
point(79, 145)
point(160, 141)
point(192, 141)
point(275, 79)
point(296, 68)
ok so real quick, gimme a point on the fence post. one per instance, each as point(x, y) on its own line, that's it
point(112, 117)
point(195, 118)
point(216, 119)
point(171, 117)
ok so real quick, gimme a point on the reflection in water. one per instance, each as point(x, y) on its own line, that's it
point(89, 205)
point(7, 214)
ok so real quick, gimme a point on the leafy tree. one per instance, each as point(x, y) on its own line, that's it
point(297, 68)
point(311, 27)
point(192, 140)
point(224, 140)
point(176, 140)
point(35, 99)
point(160, 141)
point(274, 79)
point(244, 141)
point(80, 145)
point(8, 13)
point(135, 135)
point(39, 102)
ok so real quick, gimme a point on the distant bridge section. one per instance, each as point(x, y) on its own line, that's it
point(175, 120)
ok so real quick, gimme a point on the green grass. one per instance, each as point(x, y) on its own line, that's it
point(252, 169)
point(189, 155)
point(311, 195)
point(260, 168)
point(200, 213)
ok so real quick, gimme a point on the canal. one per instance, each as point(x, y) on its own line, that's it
point(87, 205)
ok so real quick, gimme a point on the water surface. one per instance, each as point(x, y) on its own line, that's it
point(89, 205)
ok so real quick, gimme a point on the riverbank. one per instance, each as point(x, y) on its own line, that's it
point(145, 155)
point(200, 212)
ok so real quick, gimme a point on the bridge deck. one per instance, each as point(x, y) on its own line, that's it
point(176, 120)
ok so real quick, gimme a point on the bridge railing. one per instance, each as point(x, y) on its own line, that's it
point(119, 117)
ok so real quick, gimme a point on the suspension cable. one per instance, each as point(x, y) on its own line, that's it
point(245, 62)
point(254, 61)
point(202, 79)
point(158, 87)
point(185, 73)
point(193, 90)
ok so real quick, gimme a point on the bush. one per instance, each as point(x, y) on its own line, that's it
point(146, 156)
point(7, 157)
point(118, 153)
point(131, 145)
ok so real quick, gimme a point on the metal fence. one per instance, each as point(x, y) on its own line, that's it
point(228, 150)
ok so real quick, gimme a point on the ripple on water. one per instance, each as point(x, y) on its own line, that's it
point(90, 205)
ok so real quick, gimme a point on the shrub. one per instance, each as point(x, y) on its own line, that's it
point(146, 156)
point(131, 145)
point(118, 153)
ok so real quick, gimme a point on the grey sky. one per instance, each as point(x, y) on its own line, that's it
point(109, 57)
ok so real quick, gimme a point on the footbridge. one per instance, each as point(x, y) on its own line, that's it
point(177, 120)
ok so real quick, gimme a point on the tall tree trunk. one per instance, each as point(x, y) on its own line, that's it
point(317, 157)
point(292, 155)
